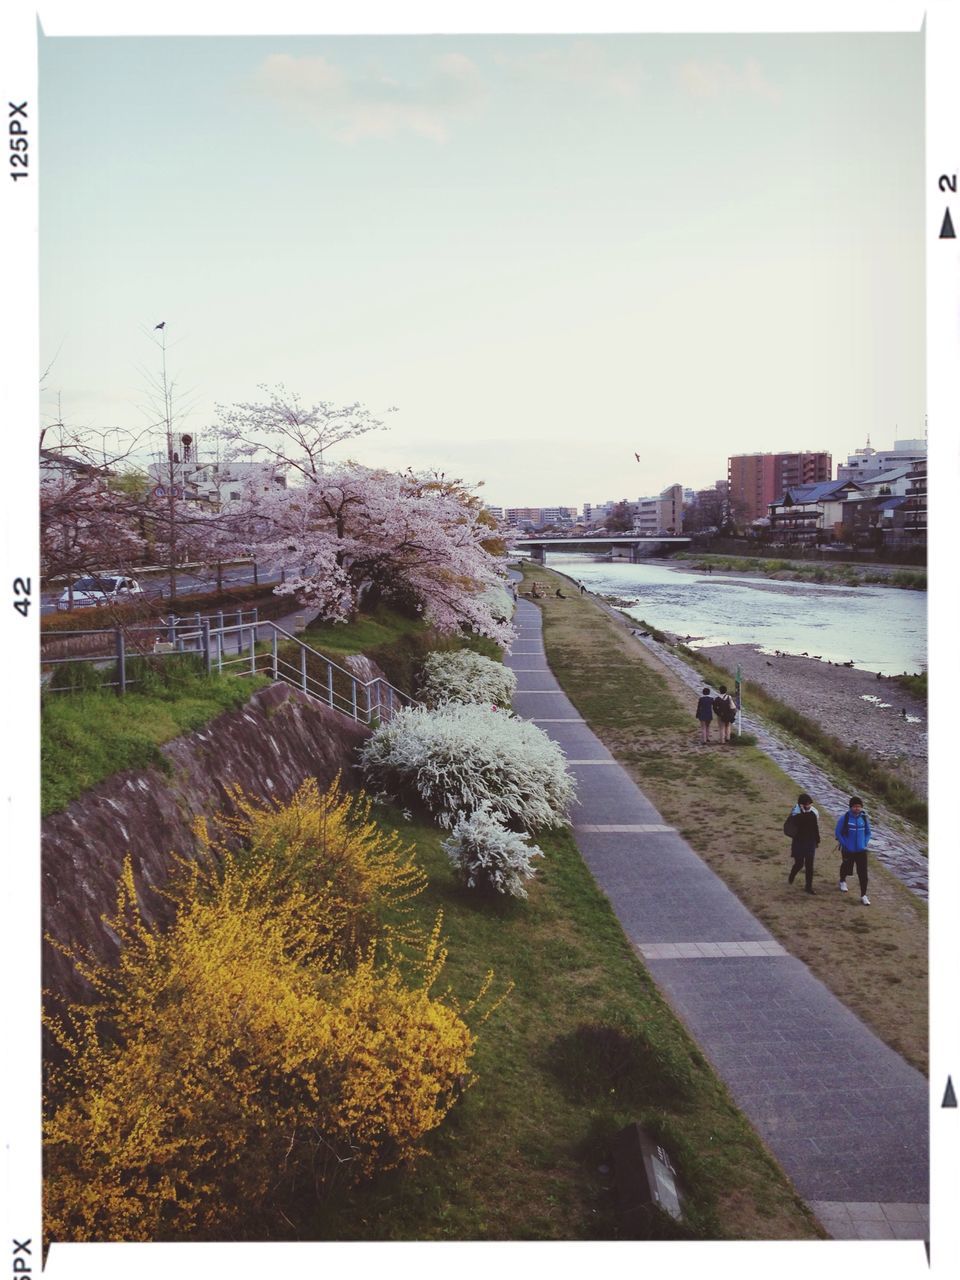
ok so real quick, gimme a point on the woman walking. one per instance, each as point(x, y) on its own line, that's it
point(803, 826)
point(704, 713)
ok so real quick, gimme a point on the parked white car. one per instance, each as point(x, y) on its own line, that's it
point(99, 589)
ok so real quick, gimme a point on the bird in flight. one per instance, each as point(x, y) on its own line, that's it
point(637, 456)
point(163, 322)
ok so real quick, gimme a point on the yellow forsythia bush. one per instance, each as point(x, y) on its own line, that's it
point(326, 842)
point(225, 1064)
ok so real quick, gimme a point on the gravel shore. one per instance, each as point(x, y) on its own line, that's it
point(875, 714)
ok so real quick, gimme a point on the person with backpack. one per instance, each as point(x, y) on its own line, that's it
point(704, 713)
point(803, 827)
point(853, 835)
point(725, 709)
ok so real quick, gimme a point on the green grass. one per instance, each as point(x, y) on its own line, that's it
point(397, 643)
point(729, 804)
point(846, 574)
point(366, 632)
point(88, 732)
point(87, 736)
point(583, 1045)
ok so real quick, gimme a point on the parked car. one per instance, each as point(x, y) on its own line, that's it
point(99, 589)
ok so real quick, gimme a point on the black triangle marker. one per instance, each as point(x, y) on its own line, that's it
point(946, 231)
point(949, 1098)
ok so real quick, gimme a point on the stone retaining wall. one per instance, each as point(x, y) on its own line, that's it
point(268, 746)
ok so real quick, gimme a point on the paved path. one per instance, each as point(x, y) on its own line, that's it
point(844, 1114)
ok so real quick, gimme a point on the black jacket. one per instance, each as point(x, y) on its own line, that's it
point(807, 835)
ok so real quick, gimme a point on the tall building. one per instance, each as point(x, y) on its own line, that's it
point(757, 479)
point(662, 514)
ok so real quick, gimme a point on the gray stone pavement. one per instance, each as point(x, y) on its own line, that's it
point(844, 1115)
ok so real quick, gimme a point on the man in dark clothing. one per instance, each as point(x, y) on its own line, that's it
point(804, 827)
point(853, 835)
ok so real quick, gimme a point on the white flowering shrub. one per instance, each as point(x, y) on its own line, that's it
point(457, 757)
point(490, 856)
point(465, 676)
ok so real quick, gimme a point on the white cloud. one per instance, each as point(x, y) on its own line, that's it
point(717, 79)
point(583, 63)
point(376, 105)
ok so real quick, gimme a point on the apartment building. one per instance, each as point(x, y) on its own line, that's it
point(538, 517)
point(662, 514)
point(755, 480)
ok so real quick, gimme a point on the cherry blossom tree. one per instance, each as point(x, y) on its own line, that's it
point(90, 518)
point(296, 437)
point(349, 533)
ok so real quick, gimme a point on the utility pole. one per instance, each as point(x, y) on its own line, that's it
point(171, 477)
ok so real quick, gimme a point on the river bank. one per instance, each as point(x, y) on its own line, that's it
point(839, 573)
point(876, 714)
point(729, 803)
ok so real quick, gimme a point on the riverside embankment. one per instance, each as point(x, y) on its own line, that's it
point(729, 804)
point(777, 1037)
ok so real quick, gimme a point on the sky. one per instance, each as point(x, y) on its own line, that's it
point(548, 252)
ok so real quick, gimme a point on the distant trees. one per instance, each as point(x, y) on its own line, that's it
point(90, 518)
point(620, 519)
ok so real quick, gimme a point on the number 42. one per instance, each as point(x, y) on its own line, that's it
point(21, 587)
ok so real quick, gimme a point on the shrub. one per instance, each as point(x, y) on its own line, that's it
point(218, 1070)
point(326, 844)
point(465, 676)
point(489, 856)
point(915, 684)
point(453, 759)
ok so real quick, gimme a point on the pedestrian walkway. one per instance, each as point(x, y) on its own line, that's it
point(844, 1115)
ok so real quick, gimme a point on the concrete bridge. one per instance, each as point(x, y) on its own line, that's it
point(615, 546)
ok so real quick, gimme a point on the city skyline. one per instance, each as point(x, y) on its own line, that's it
point(549, 252)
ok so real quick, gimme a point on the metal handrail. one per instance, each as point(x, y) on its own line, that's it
point(161, 621)
point(367, 700)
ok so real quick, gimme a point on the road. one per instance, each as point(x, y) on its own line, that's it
point(157, 584)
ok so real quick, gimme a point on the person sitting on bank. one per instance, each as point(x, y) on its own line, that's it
point(853, 835)
point(704, 712)
point(803, 826)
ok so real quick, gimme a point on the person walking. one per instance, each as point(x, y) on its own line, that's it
point(803, 826)
point(704, 713)
point(725, 710)
point(853, 835)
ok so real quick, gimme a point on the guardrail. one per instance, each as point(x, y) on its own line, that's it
point(234, 649)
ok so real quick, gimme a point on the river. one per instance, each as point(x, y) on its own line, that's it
point(877, 628)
